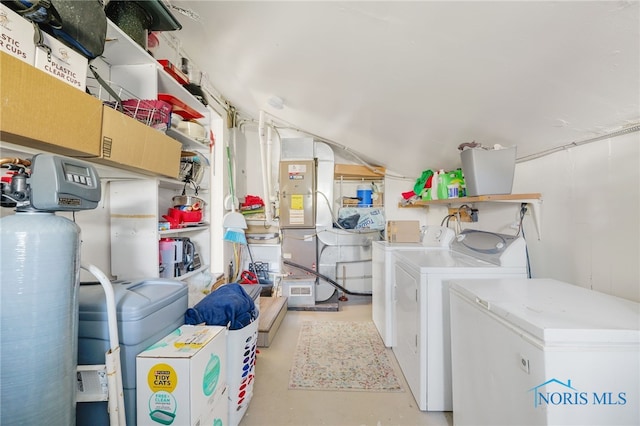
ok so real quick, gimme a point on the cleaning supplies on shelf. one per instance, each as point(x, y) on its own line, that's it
point(435, 181)
point(443, 185)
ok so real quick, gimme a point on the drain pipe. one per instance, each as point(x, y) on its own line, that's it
point(269, 170)
point(265, 171)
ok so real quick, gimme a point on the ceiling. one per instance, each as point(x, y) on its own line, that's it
point(404, 83)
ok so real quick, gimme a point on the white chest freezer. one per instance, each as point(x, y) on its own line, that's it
point(543, 352)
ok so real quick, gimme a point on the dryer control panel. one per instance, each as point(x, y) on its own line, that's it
point(499, 249)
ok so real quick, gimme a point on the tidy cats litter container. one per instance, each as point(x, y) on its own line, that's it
point(147, 311)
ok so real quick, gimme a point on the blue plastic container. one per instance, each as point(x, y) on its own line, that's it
point(364, 194)
point(147, 310)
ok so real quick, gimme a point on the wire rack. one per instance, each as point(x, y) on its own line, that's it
point(152, 112)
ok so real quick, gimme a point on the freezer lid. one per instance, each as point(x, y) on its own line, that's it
point(555, 312)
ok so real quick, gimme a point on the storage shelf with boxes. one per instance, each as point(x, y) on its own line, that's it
point(78, 124)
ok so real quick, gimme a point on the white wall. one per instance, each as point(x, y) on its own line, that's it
point(590, 215)
point(590, 226)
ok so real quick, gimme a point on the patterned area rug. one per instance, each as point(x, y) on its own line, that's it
point(342, 355)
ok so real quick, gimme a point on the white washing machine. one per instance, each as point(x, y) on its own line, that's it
point(423, 348)
point(383, 282)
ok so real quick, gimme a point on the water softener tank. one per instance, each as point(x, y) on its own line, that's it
point(39, 263)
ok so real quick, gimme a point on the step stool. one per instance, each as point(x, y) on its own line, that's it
point(272, 312)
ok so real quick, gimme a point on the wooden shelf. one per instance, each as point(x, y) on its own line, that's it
point(533, 199)
point(478, 199)
point(357, 172)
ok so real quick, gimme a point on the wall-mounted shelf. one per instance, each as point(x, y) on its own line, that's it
point(184, 230)
point(134, 68)
point(520, 198)
point(358, 172)
point(534, 200)
point(187, 141)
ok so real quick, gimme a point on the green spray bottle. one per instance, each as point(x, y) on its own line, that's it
point(462, 192)
point(443, 180)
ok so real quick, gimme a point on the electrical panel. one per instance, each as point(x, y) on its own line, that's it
point(297, 194)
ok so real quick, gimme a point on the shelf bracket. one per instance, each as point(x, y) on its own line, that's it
point(535, 205)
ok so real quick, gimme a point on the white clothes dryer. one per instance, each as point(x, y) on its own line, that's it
point(423, 348)
point(383, 282)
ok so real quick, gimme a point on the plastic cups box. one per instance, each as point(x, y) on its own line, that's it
point(488, 172)
point(181, 380)
point(62, 62)
point(16, 35)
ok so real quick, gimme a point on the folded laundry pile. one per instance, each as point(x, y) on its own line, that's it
point(227, 305)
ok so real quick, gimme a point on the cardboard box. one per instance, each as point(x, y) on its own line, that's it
point(181, 379)
point(130, 144)
point(62, 62)
point(41, 112)
point(220, 414)
point(403, 231)
point(16, 35)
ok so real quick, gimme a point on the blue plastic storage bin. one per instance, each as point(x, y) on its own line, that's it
point(147, 310)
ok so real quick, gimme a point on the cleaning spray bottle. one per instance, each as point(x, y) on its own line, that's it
point(435, 183)
point(443, 184)
point(463, 185)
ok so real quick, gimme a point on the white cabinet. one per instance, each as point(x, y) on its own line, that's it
point(137, 205)
point(121, 236)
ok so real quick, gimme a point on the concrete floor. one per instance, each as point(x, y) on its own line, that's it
point(274, 404)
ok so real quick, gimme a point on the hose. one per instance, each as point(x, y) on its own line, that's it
point(17, 161)
point(325, 278)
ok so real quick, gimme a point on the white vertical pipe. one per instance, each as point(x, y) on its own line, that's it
point(263, 157)
point(269, 165)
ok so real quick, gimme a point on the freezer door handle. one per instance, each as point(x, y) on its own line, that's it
point(483, 303)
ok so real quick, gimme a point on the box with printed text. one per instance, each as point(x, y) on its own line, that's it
point(16, 35)
point(62, 62)
point(181, 379)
